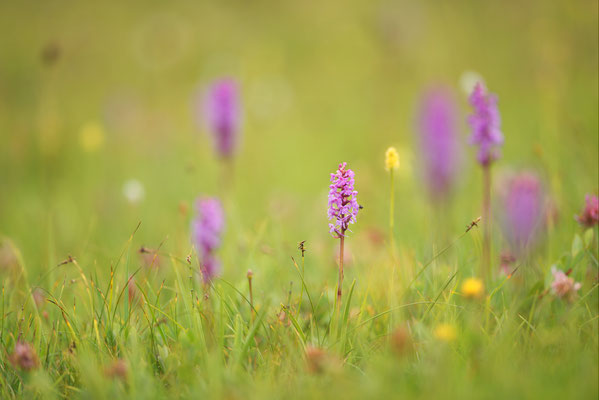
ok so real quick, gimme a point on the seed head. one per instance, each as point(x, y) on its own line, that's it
point(401, 341)
point(319, 360)
point(131, 290)
point(118, 369)
point(301, 246)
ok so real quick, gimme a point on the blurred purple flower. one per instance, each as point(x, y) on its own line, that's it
point(343, 204)
point(563, 286)
point(590, 214)
point(439, 141)
point(485, 124)
point(523, 214)
point(24, 356)
point(207, 229)
point(222, 115)
point(211, 267)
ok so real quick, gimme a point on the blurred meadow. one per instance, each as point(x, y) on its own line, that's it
point(104, 149)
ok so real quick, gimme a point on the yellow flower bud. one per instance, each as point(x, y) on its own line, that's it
point(391, 159)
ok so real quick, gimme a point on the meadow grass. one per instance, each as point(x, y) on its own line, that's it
point(404, 329)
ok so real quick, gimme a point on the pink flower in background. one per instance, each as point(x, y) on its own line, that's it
point(590, 214)
point(523, 213)
point(343, 204)
point(222, 116)
point(24, 356)
point(439, 141)
point(563, 286)
point(207, 230)
point(485, 124)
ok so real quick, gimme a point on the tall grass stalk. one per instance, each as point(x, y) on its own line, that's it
point(250, 275)
point(302, 249)
point(391, 210)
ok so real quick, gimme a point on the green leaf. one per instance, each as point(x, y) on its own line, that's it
point(537, 288)
point(579, 257)
point(577, 245)
point(250, 336)
point(348, 303)
point(298, 329)
point(588, 237)
point(564, 261)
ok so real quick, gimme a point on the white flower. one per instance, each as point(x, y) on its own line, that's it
point(134, 191)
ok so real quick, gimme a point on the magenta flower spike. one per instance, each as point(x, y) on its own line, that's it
point(207, 230)
point(589, 216)
point(439, 141)
point(524, 210)
point(485, 124)
point(222, 116)
point(343, 203)
point(342, 211)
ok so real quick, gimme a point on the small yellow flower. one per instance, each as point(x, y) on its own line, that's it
point(445, 333)
point(473, 288)
point(391, 159)
point(91, 137)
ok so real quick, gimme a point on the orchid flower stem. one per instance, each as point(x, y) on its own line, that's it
point(486, 266)
point(340, 284)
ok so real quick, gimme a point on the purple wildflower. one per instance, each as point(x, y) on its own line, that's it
point(523, 211)
point(207, 229)
point(222, 115)
point(343, 204)
point(590, 214)
point(485, 124)
point(439, 140)
point(24, 356)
